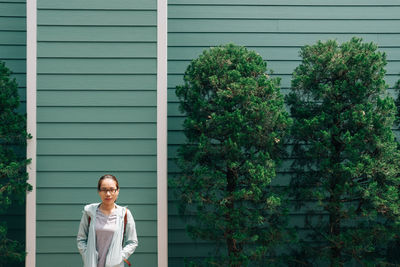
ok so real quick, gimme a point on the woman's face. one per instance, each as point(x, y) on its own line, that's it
point(108, 191)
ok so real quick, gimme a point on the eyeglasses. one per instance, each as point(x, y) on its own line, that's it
point(111, 190)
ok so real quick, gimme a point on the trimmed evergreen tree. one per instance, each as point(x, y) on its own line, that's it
point(394, 246)
point(346, 163)
point(13, 176)
point(235, 127)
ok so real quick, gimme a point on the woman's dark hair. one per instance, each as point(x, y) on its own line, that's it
point(107, 176)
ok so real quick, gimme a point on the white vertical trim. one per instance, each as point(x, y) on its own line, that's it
point(162, 186)
point(31, 128)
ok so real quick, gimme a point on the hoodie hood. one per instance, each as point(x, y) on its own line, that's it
point(91, 209)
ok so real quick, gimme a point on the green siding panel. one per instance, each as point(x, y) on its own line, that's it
point(98, 18)
point(99, 98)
point(97, 147)
point(17, 66)
point(14, 1)
point(13, 38)
point(175, 122)
point(98, 4)
point(97, 114)
point(13, 23)
point(109, 82)
point(273, 39)
point(284, 26)
point(12, 52)
point(289, 3)
point(98, 66)
point(96, 130)
point(97, 50)
point(282, 12)
point(175, 138)
point(98, 163)
point(21, 79)
point(96, 34)
point(276, 29)
point(13, 9)
point(22, 92)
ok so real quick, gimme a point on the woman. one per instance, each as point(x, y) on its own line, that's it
point(107, 233)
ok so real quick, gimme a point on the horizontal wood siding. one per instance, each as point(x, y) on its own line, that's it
point(13, 42)
point(96, 114)
point(276, 29)
point(13, 53)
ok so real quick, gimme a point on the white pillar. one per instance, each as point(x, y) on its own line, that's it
point(31, 30)
point(162, 185)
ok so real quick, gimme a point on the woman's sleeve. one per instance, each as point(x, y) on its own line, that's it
point(130, 236)
point(81, 238)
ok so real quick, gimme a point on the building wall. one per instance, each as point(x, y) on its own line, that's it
point(13, 53)
point(96, 114)
point(13, 42)
point(276, 29)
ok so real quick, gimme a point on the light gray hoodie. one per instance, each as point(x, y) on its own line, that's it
point(86, 239)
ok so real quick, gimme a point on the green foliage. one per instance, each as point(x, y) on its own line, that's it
point(397, 101)
point(235, 127)
point(13, 176)
point(345, 153)
point(11, 251)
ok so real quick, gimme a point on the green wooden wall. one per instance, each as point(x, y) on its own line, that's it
point(96, 114)
point(276, 29)
point(13, 42)
point(13, 53)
